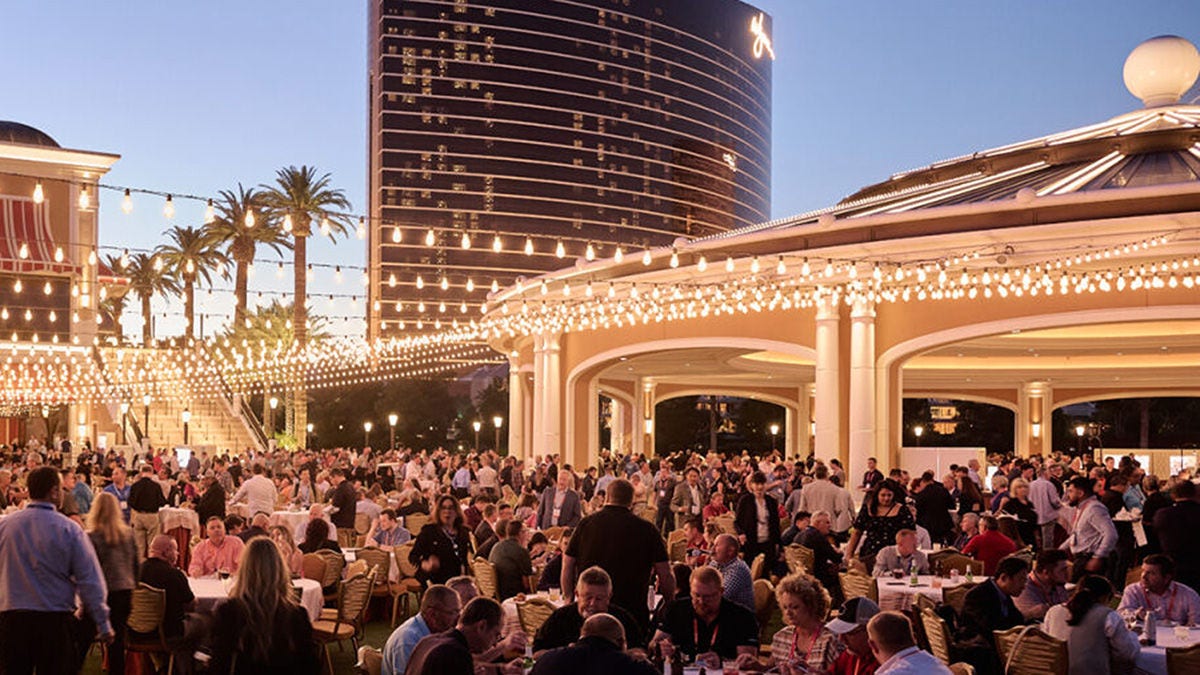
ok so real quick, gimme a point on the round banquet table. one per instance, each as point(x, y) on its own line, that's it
point(212, 592)
point(1153, 660)
point(297, 521)
point(898, 594)
point(181, 525)
point(512, 621)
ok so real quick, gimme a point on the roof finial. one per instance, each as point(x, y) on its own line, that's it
point(1162, 69)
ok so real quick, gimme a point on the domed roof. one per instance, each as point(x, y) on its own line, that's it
point(15, 132)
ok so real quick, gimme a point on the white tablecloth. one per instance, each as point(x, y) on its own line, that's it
point(512, 621)
point(898, 594)
point(171, 518)
point(211, 592)
point(297, 521)
point(1153, 660)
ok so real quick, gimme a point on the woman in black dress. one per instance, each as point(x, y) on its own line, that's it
point(881, 518)
point(442, 549)
point(1018, 504)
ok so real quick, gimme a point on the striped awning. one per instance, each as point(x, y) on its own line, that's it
point(26, 244)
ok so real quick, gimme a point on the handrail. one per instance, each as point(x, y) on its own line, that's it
point(238, 406)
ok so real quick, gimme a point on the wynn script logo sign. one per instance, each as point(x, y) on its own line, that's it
point(762, 41)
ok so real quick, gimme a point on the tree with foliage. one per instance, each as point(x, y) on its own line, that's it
point(192, 257)
point(240, 225)
point(148, 277)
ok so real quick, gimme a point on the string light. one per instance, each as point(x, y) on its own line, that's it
point(326, 228)
point(287, 222)
point(560, 251)
point(589, 253)
point(361, 230)
point(702, 263)
point(497, 245)
point(646, 258)
point(169, 210)
point(85, 199)
point(465, 242)
point(39, 195)
point(396, 235)
point(210, 212)
point(127, 202)
point(528, 246)
point(249, 219)
point(430, 238)
point(618, 256)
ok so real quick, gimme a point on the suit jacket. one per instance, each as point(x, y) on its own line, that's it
point(682, 505)
point(934, 504)
point(212, 503)
point(441, 654)
point(826, 559)
point(570, 514)
point(985, 609)
point(746, 519)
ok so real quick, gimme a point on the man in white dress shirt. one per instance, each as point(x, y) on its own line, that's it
point(891, 639)
point(259, 492)
point(1158, 592)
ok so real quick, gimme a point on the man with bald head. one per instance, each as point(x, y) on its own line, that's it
point(599, 651)
point(159, 571)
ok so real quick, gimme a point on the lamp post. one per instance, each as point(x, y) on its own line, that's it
point(392, 419)
point(918, 431)
point(124, 414)
point(774, 433)
point(272, 403)
point(186, 415)
point(476, 425)
point(497, 422)
point(367, 426)
point(308, 436)
point(146, 415)
point(1080, 430)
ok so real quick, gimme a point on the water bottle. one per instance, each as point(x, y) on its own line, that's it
point(527, 662)
point(913, 579)
point(1151, 633)
point(970, 575)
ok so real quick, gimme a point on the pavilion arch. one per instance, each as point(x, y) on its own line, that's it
point(889, 386)
point(1131, 393)
point(958, 396)
point(588, 372)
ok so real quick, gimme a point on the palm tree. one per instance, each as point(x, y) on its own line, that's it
point(148, 278)
point(191, 257)
point(230, 228)
point(302, 196)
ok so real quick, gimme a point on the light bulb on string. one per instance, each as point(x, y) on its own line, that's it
point(445, 283)
point(497, 245)
point(326, 228)
point(91, 258)
point(470, 285)
point(396, 236)
point(210, 212)
point(430, 237)
point(465, 242)
point(23, 251)
point(618, 256)
point(48, 289)
point(337, 274)
point(495, 286)
point(39, 195)
point(169, 209)
point(528, 246)
point(589, 253)
point(85, 199)
point(754, 267)
point(249, 219)
point(702, 264)
point(420, 282)
point(58, 254)
point(127, 202)
point(361, 230)
point(781, 268)
point(392, 281)
point(560, 251)
point(728, 263)
point(674, 259)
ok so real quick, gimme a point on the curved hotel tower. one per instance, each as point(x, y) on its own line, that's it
point(511, 137)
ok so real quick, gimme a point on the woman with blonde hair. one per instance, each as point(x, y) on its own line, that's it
point(286, 541)
point(262, 628)
point(804, 644)
point(117, 552)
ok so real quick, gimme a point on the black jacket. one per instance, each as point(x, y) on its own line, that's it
point(591, 656)
point(987, 609)
point(746, 520)
point(934, 504)
point(1176, 528)
point(211, 503)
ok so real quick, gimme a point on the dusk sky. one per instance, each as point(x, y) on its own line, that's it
point(196, 97)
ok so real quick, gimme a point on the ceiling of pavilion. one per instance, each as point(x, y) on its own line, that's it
point(1159, 354)
point(715, 367)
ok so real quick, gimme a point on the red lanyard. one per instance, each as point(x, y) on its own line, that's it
point(795, 642)
point(712, 640)
point(1170, 603)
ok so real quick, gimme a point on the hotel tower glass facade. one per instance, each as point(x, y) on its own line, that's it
point(512, 137)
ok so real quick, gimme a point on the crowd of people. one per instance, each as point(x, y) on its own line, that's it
point(655, 559)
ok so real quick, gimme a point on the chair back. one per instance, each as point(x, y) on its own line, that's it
point(650, 514)
point(1008, 527)
point(313, 567)
point(938, 634)
point(962, 668)
point(858, 585)
point(370, 661)
point(674, 536)
point(553, 534)
point(764, 605)
point(146, 609)
point(956, 596)
point(757, 565)
point(407, 568)
point(960, 562)
point(1026, 650)
point(677, 551)
point(334, 564)
point(353, 595)
point(377, 558)
point(362, 523)
point(415, 521)
point(725, 521)
point(1183, 661)
point(533, 613)
point(799, 558)
point(485, 577)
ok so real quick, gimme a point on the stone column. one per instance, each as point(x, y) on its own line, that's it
point(862, 386)
point(645, 422)
point(552, 416)
point(516, 409)
point(801, 427)
point(537, 440)
point(617, 425)
point(828, 437)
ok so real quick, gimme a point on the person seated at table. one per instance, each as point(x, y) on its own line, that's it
point(499, 533)
point(552, 560)
point(510, 559)
point(317, 512)
point(387, 533)
point(989, 607)
point(683, 585)
point(258, 527)
point(599, 651)
point(735, 573)
point(540, 548)
point(989, 545)
point(218, 553)
point(262, 628)
point(1047, 585)
point(593, 595)
point(486, 535)
point(234, 524)
point(286, 541)
point(440, 607)
point(1098, 643)
point(968, 527)
point(696, 546)
point(366, 504)
point(800, 523)
point(903, 555)
point(454, 652)
point(212, 501)
point(706, 627)
point(465, 587)
point(182, 491)
point(827, 561)
point(159, 571)
point(804, 643)
point(316, 538)
point(890, 636)
point(851, 629)
point(1158, 592)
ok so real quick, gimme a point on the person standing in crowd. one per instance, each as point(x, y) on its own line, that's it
point(706, 627)
point(903, 555)
point(1019, 506)
point(1176, 527)
point(439, 612)
point(83, 494)
point(46, 562)
point(689, 498)
point(851, 629)
point(989, 545)
point(600, 650)
point(1093, 537)
point(119, 489)
point(822, 495)
point(562, 505)
point(1098, 643)
point(345, 506)
point(625, 546)
point(212, 500)
point(934, 505)
point(1047, 585)
point(1158, 592)
point(872, 477)
point(879, 522)
point(450, 652)
point(442, 548)
point(145, 499)
point(1047, 501)
point(114, 544)
point(262, 629)
point(757, 522)
point(664, 490)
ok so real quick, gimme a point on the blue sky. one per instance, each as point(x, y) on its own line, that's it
point(199, 96)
